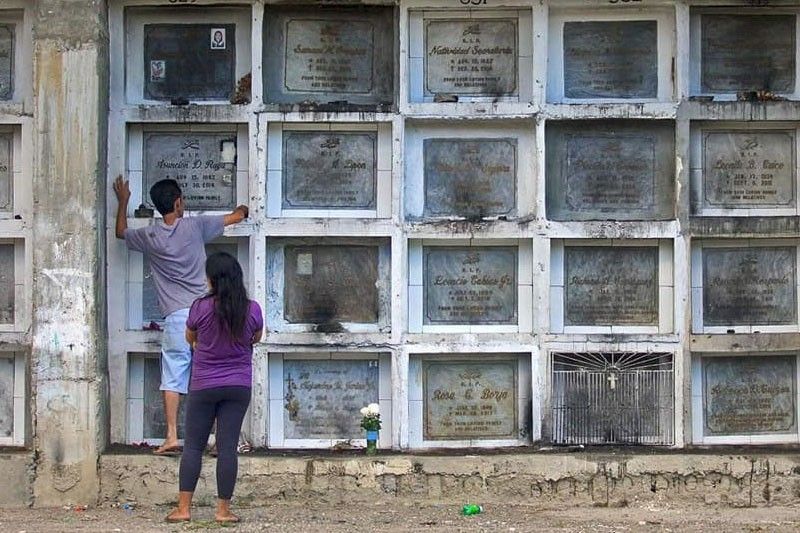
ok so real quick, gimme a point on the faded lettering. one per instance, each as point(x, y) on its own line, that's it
point(466, 400)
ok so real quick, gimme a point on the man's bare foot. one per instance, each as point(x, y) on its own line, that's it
point(228, 517)
point(169, 448)
point(178, 516)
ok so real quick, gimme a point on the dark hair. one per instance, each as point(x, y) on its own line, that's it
point(163, 193)
point(231, 304)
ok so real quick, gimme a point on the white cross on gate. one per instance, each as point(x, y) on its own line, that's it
point(612, 380)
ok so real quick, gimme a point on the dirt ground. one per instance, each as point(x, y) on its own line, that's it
point(407, 516)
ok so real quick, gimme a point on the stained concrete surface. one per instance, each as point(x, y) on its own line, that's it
point(413, 515)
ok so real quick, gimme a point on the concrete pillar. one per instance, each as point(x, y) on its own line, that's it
point(68, 363)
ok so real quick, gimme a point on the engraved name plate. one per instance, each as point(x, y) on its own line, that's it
point(607, 286)
point(470, 285)
point(471, 57)
point(749, 395)
point(329, 169)
point(325, 284)
point(7, 283)
point(327, 56)
point(182, 60)
point(611, 59)
point(747, 53)
point(195, 161)
point(321, 55)
point(322, 399)
point(743, 286)
point(610, 170)
point(155, 425)
point(749, 169)
point(6, 397)
point(465, 400)
point(470, 177)
point(6, 173)
point(6, 61)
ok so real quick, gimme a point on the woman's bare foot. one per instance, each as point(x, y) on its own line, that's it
point(178, 515)
point(223, 513)
point(228, 517)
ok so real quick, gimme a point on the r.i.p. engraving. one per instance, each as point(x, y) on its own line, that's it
point(321, 399)
point(611, 286)
point(329, 169)
point(329, 56)
point(471, 57)
point(470, 177)
point(474, 285)
point(470, 400)
point(611, 59)
point(749, 395)
point(203, 164)
point(749, 168)
point(750, 286)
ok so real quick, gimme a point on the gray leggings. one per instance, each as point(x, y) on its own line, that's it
point(226, 405)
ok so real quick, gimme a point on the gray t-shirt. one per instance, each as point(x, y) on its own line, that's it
point(177, 257)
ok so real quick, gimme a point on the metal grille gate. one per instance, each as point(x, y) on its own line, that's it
point(613, 398)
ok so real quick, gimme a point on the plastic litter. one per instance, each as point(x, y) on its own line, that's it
point(471, 509)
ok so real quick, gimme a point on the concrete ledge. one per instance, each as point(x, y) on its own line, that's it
point(16, 474)
point(752, 479)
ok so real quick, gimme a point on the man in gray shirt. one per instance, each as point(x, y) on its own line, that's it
point(175, 246)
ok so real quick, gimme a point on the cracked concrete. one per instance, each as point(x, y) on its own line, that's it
point(574, 479)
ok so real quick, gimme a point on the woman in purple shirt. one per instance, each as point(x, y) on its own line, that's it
point(222, 328)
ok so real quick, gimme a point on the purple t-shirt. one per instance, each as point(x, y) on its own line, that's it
point(219, 360)
point(177, 257)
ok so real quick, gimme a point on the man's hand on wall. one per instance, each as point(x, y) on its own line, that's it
point(122, 190)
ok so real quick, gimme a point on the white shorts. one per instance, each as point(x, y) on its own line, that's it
point(176, 355)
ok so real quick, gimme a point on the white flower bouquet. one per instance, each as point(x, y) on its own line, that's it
point(371, 417)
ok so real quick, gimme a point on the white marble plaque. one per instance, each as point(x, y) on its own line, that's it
point(611, 59)
point(329, 170)
point(339, 55)
point(753, 395)
point(329, 56)
point(322, 398)
point(749, 169)
point(7, 283)
point(6, 61)
point(610, 170)
point(470, 400)
point(470, 177)
point(611, 286)
point(470, 285)
point(6, 173)
point(194, 160)
point(750, 286)
point(6, 397)
point(471, 57)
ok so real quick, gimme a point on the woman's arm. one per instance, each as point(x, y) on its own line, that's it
point(191, 337)
point(257, 336)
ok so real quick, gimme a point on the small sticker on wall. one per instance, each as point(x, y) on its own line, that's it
point(158, 70)
point(305, 264)
point(218, 39)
